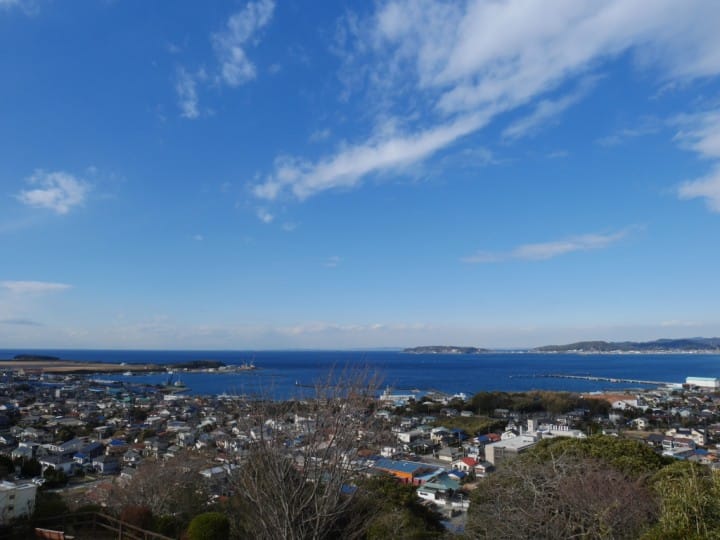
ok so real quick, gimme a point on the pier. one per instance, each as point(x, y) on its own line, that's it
point(597, 378)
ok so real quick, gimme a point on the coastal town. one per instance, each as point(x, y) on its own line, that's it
point(83, 437)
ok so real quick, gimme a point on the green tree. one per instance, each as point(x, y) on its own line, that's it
point(209, 526)
point(29, 468)
point(690, 502)
point(393, 510)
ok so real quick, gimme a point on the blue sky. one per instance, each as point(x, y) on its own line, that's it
point(282, 174)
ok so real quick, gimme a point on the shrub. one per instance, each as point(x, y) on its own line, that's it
point(209, 526)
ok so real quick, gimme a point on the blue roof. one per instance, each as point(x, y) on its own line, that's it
point(407, 467)
point(92, 446)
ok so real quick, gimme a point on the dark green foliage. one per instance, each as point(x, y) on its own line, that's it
point(54, 478)
point(137, 415)
point(536, 402)
point(65, 434)
point(209, 526)
point(690, 502)
point(394, 511)
point(6, 466)
point(29, 468)
point(167, 526)
point(49, 505)
point(631, 458)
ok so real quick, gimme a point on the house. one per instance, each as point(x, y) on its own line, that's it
point(688, 433)
point(449, 454)
point(25, 450)
point(106, 464)
point(116, 447)
point(407, 472)
point(483, 468)
point(457, 475)
point(88, 452)
point(59, 463)
point(639, 423)
point(439, 434)
point(132, 458)
point(509, 448)
point(16, 500)
point(465, 464)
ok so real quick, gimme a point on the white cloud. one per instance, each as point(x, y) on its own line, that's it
point(57, 191)
point(701, 134)
point(198, 237)
point(265, 216)
point(320, 135)
point(28, 6)
point(548, 250)
point(647, 126)
point(707, 187)
point(457, 62)
point(186, 89)
point(546, 110)
point(333, 262)
point(346, 168)
point(231, 44)
point(33, 287)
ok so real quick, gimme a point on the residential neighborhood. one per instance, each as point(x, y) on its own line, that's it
point(77, 435)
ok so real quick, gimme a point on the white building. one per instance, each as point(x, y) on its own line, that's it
point(508, 448)
point(16, 500)
point(703, 382)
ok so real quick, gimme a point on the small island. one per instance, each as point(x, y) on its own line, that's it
point(444, 349)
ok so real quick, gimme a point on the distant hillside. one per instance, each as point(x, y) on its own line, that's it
point(697, 344)
point(35, 358)
point(444, 349)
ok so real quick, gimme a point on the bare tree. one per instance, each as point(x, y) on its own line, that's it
point(564, 497)
point(170, 487)
point(297, 481)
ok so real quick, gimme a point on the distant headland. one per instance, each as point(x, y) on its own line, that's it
point(659, 346)
point(445, 349)
point(685, 345)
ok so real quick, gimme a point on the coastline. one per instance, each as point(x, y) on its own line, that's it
point(77, 367)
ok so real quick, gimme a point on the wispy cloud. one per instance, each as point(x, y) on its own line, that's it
point(701, 133)
point(706, 187)
point(345, 169)
point(546, 111)
point(264, 216)
point(647, 126)
point(56, 191)
point(320, 135)
point(33, 287)
point(231, 43)
point(332, 262)
point(186, 89)
point(198, 237)
point(549, 250)
point(29, 7)
point(463, 64)
point(21, 322)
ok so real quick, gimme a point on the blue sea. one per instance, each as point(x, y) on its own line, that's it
point(285, 374)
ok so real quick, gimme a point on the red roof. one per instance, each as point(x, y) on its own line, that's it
point(470, 462)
